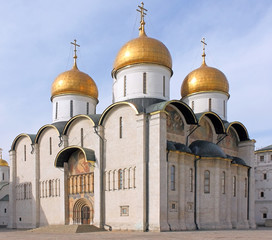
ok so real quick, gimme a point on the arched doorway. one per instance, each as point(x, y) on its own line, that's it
point(82, 212)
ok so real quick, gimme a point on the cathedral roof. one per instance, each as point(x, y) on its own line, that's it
point(205, 79)
point(206, 149)
point(142, 49)
point(267, 148)
point(174, 146)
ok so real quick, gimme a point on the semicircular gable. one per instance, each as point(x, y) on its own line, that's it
point(240, 130)
point(93, 118)
point(41, 130)
point(215, 119)
point(15, 141)
point(183, 108)
point(108, 109)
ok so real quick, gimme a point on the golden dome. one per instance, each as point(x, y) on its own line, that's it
point(74, 82)
point(142, 50)
point(3, 163)
point(205, 79)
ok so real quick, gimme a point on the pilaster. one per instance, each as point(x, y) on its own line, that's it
point(12, 190)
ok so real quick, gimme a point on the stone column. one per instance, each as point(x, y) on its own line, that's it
point(246, 152)
point(12, 190)
point(36, 189)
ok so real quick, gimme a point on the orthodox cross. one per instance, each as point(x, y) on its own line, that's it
point(204, 44)
point(142, 11)
point(76, 45)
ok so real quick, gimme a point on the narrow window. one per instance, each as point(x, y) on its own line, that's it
point(134, 177)
point(210, 104)
point(87, 108)
point(173, 178)
point(264, 215)
point(113, 180)
point(71, 109)
point(120, 179)
point(245, 187)
point(5, 210)
point(50, 146)
point(3, 176)
point(56, 116)
point(223, 182)
point(264, 176)
point(129, 178)
point(262, 194)
point(109, 174)
point(261, 158)
point(24, 191)
point(144, 83)
point(234, 186)
point(163, 85)
point(81, 137)
point(50, 188)
point(120, 127)
point(207, 181)
point(191, 180)
point(193, 105)
point(25, 152)
point(270, 157)
point(125, 86)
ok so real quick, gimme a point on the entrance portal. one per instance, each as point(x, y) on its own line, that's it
point(82, 212)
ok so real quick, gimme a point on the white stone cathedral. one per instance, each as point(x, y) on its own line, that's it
point(146, 163)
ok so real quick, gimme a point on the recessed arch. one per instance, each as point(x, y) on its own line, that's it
point(240, 130)
point(79, 207)
point(64, 154)
point(215, 119)
point(42, 129)
point(107, 110)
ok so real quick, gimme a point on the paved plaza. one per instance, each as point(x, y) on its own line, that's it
point(260, 234)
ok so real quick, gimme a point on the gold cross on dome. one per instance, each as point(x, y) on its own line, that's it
point(75, 50)
point(143, 13)
point(204, 44)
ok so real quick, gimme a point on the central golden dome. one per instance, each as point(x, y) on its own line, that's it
point(142, 50)
point(3, 163)
point(74, 82)
point(205, 79)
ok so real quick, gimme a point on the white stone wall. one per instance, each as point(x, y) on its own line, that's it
point(52, 209)
point(134, 82)
point(64, 106)
point(4, 211)
point(263, 183)
point(201, 103)
point(123, 154)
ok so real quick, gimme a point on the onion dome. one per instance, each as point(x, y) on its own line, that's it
point(3, 163)
point(142, 50)
point(205, 79)
point(74, 82)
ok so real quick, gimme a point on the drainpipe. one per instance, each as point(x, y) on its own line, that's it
point(167, 189)
point(187, 138)
point(195, 191)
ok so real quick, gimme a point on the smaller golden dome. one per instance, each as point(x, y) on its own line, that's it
point(74, 82)
point(205, 79)
point(3, 163)
point(142, 50)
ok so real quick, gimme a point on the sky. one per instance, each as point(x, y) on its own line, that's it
point(35, 48)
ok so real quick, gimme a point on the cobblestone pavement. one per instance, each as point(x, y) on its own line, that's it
point(260, 234)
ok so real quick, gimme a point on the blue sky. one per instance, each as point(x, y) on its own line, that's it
point(35, 47)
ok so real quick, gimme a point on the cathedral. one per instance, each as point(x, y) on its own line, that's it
point(146, 163)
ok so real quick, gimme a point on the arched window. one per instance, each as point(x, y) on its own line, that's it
point(25, 152)
point(224, 107)
point(144, 83)
point(87, 108)
point(223, 183)
point(50, 188)
point(81, 137)
point(234, 186)
point(191, 180)
point(71, 108)
point(125, 86)
point(173, 173)
point(3, 176)
point(207, 181)
point(128, 176)
point(113, 180)
point(25, 191)
point(120, 127)
point(120, 179)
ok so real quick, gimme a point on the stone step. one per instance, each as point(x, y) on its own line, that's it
point(67, 229)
